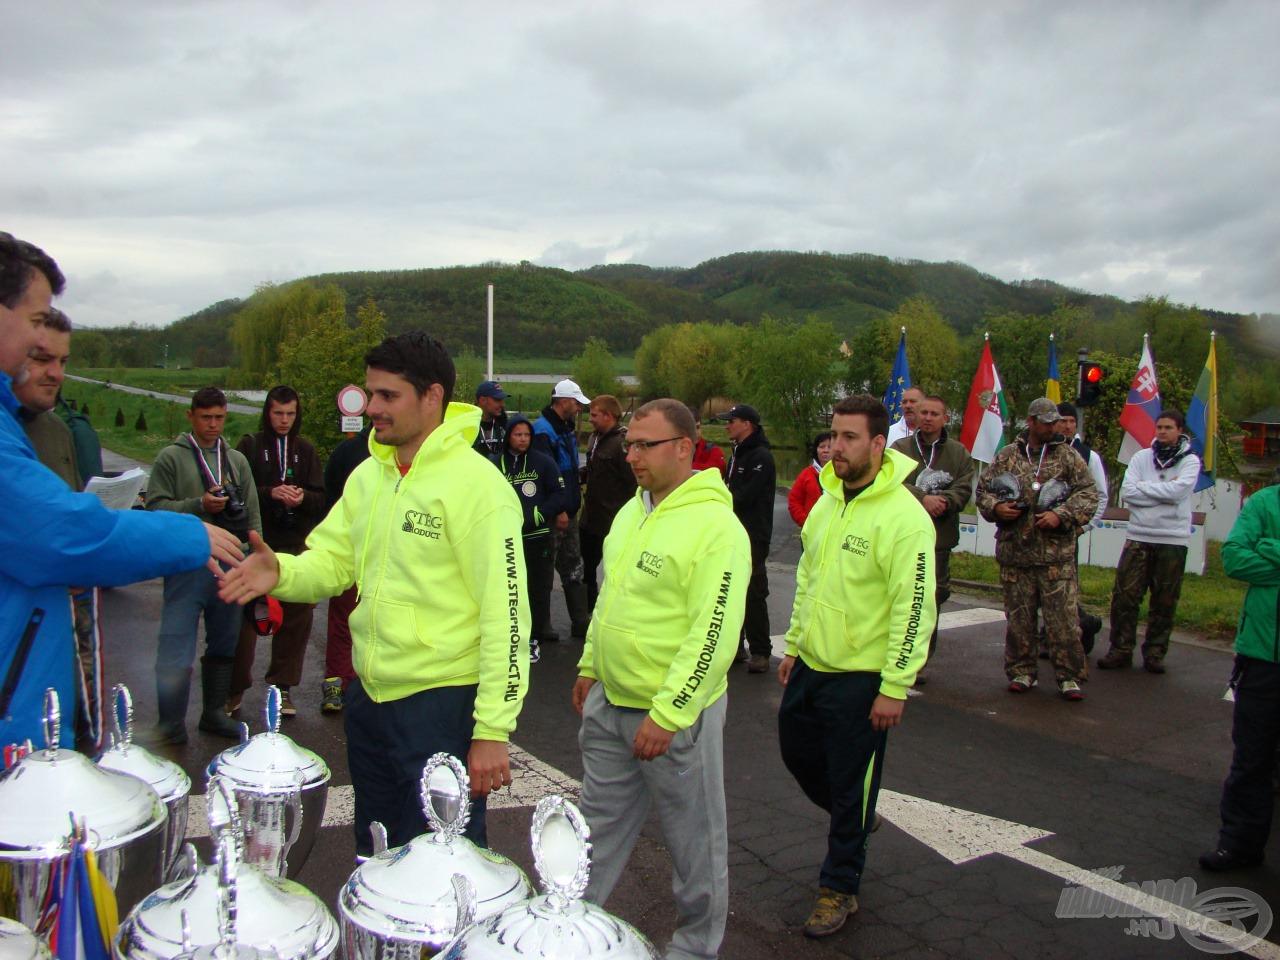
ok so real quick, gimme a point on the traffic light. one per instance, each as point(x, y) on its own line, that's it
point(1089, 386)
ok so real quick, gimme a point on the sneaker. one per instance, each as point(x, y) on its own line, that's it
point(1115, 660)
point(1152, 665)
point(758, 664)
point(535, 651)
point(1071, 690)
point(1022, 683)
point(830, 913)
point(331, 695)
point(232, 706)
point(1219, 859)
point(287, 708)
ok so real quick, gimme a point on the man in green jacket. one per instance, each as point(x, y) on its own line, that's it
point(943, 483)
point(199, 473)
point(1252, 555)
point(652, 678)
point(430, 533)
point(859, 633)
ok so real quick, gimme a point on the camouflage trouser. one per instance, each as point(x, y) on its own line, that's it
point(942, 590)
point(1143, 566)
point(568, 552)
point(1053, 591)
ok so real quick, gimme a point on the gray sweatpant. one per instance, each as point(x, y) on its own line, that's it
point(687, 785)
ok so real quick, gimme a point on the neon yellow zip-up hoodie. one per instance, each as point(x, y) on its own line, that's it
point(439, 561)
point(864, 587)
point(665, 628)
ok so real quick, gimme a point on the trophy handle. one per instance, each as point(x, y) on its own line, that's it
point(294, 801)
point(561, 842)
point(379, 837)
point(122, 715)
point(274, 701)
point(464, 894)
point(52, 723)
point(445, 782)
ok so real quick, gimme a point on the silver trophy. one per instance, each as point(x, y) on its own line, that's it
point(166, 777)
point(405, 902)
point(228, 902)
point(19, 943)
point(559, 925)
point(40, 796)
point(281, 788)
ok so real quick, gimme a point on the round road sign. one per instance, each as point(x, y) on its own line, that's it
point(352, 401)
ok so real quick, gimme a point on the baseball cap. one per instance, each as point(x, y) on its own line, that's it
point(741, 411)
point(1044, 410)
point(265, 614)
point(567, 388)
point(490, 388)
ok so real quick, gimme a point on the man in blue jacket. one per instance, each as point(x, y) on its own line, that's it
point(554, 435)
point(77, 542)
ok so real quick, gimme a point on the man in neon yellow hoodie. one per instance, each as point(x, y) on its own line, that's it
point(430, 533)
point(859, 633)
point(651, 687)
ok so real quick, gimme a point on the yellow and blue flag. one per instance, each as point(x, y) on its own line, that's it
point(1202, 419)
point(1052, 388)
point(899, 381)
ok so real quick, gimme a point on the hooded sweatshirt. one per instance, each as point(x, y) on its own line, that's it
point(536, 480)
point(177, 482)
point(300, 469)
point(865, 584)
point(665, 629)
point(1252, 555)
point(437, 557)
point(1157, 490)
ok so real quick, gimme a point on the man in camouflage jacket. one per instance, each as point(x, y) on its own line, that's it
point(1036, 549)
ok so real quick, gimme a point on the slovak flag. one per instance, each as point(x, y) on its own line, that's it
point(1141, 409)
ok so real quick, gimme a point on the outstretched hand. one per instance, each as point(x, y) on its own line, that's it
point(224, 548)
point(256, 576)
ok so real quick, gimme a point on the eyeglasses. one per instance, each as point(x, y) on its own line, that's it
point(642, 446)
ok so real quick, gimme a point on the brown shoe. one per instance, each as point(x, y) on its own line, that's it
point(830, 913)
point(758, 664)
point(1152, 665)
point(1115, 660)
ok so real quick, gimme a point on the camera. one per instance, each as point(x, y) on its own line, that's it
point(234, 516)
point(285, 517)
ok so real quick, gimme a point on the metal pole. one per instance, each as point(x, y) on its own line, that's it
point(1082, 357)
point(489, 376)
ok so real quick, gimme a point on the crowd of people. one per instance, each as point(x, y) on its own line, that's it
point(437, 534)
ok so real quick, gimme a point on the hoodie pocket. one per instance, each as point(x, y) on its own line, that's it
point(623, 664)
point(401, 647)
point(826, 630)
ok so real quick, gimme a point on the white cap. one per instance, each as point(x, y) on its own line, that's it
point(567, 388)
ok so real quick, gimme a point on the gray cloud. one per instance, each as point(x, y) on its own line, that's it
point(171, 155)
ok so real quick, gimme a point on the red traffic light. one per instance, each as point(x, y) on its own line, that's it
point(1093, 373)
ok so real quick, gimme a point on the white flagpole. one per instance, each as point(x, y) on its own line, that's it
point(489, 375)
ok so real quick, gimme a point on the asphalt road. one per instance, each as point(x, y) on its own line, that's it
point(1128, 779)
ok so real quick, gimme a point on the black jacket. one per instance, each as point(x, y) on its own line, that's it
point(753, 481)
point(489, 439)
point(537, 482)
point(610, 482)
point(346, 456)
point(285, 528)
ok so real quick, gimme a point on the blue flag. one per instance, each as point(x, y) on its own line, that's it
point(899, 381)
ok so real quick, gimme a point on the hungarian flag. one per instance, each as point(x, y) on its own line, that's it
point(1202, 419)
point(983, 430)
point(1142, 408)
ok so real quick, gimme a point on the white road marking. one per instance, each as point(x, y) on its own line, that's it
point(531, 780)
point(950, 620)
point(962, 836)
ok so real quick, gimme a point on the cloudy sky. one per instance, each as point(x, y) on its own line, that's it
point(173, 153)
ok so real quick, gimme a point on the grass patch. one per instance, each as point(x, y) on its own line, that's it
point(161, 381)
point(164, 420)
point(1209, 605)
point(623, 366)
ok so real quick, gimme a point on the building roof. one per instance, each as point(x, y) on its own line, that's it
point(1269, 415)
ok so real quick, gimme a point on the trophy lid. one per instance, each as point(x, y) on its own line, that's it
point(166, 777)
point(408, 893)
point(19, 943)
point(270, 762)
point(41, 792)
point(228, 905)
point(559, 924)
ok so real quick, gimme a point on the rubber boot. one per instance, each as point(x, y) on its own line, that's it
point(173, 690)
point(575, 598)
point(215, 683)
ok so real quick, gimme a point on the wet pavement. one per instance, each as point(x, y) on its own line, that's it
point(1128, 779)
